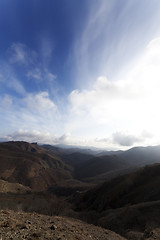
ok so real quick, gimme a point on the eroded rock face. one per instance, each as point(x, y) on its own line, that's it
point(20, 225)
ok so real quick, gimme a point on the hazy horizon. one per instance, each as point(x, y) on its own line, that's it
point(82, 72)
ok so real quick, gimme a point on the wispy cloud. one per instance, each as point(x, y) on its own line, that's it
point(6, 102)
point(9, 79)
point(16, 85)
point(35, 74)
point(111, 38)
point(21, 54)
point(40, 75)
point(46, 46)
point(92, 34)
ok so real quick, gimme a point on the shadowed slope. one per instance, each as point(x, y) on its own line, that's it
point(140, 186)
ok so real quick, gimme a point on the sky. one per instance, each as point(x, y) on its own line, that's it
point(80, 72)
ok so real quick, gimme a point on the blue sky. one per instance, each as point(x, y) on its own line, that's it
point(80, 72)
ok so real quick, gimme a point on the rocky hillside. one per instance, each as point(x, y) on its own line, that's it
point(33, 166)
point(54, 169)
point(126, 204)
point(6, 187)
point(20, 225)
point(39, 180)
point(137, 187)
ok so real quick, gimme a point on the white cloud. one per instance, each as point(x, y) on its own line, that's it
point(65, 138)
point(36, 136)
point(30, 136)
point(40, 103)
point(16, 85)
point(125, 139)
point(9, 80)
point(21, 54)
point(128, 104)
point(34, 112)
point(104, 101)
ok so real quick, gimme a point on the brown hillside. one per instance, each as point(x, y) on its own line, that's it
point(142, 218)
point(19, 225)
point(99, 165)
point(33, 166)
point(128, 205)
point(140, 186)
point(6, 187)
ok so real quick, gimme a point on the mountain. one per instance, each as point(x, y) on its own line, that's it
point(141, 156)
point(33, 166)
point(75, 159)
point(53, 181)
point(137, 156)
point(91, 166)
point(126, 203)
point(137, 187)
point(47, 167)
point(99, 165)
point(67, 149)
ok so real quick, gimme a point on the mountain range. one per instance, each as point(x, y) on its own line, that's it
point(115, 190)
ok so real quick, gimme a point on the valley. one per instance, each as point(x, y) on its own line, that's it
point(117, 191)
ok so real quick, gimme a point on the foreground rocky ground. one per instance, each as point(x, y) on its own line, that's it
point(29, 226)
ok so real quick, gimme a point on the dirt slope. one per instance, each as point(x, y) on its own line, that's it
point(19, 225)
point(6, 187)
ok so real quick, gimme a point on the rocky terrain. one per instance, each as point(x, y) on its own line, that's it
point(7, 187)
point(51, 193)
point(34, 167)
point(29, 226)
